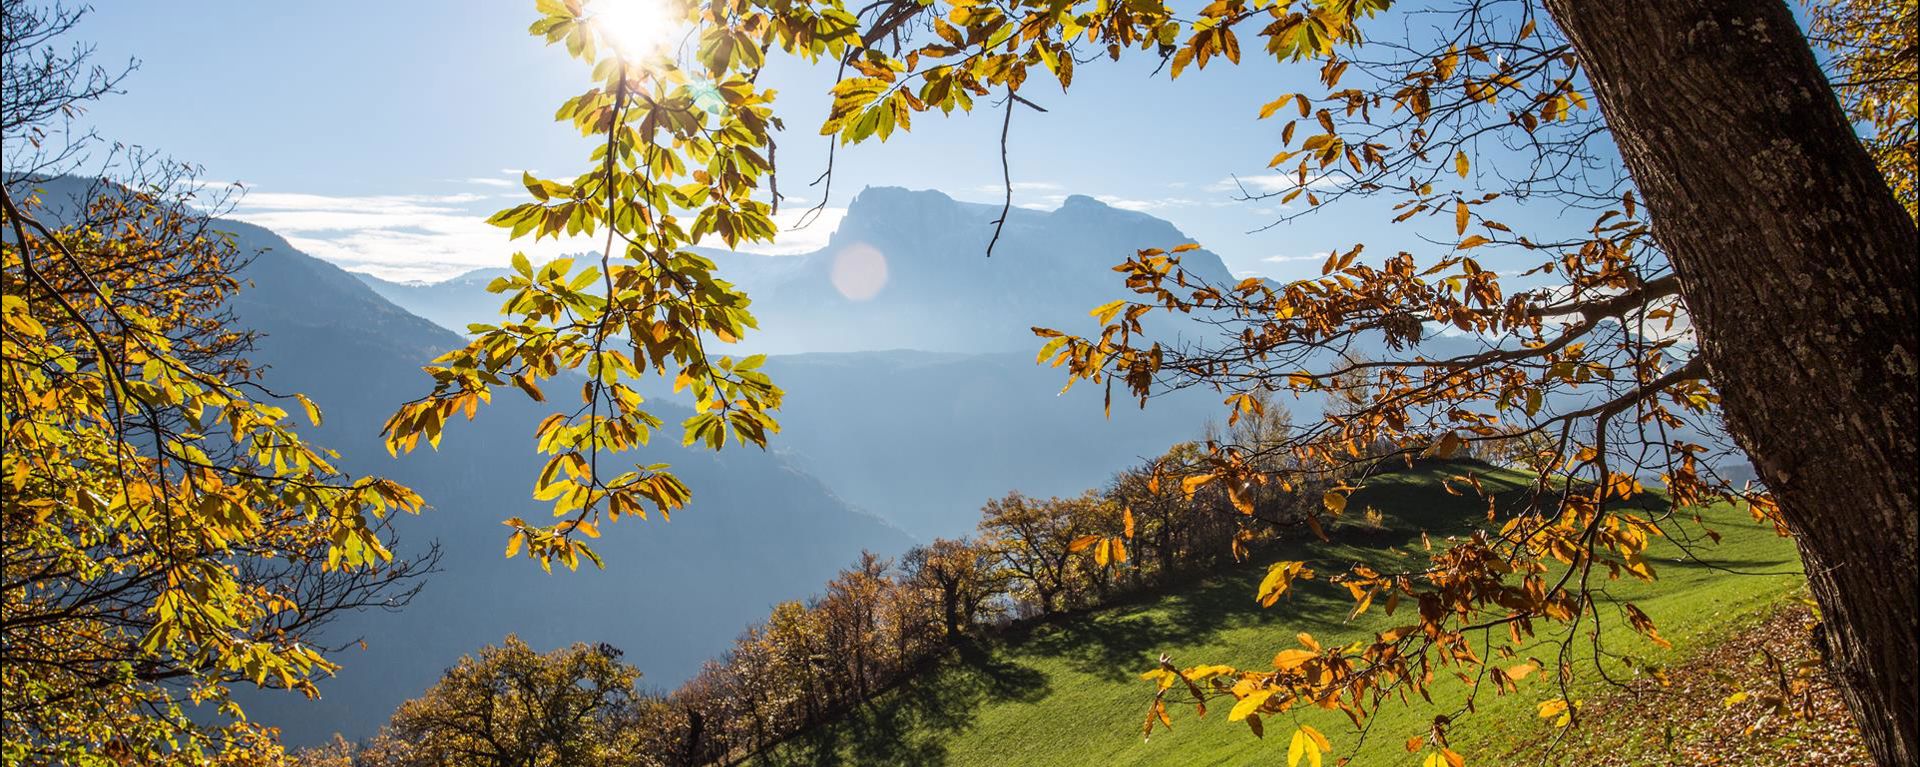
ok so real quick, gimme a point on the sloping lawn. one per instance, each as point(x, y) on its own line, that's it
point(1068, 693)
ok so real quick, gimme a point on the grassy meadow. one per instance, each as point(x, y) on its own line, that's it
point(1068, 692)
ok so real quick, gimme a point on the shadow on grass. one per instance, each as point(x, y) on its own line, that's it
point(917, 722)
point(1124, 638)
point(912, 724)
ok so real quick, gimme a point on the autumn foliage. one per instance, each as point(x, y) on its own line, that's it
point(168, 534)
point(164, 520)
point(878, 622)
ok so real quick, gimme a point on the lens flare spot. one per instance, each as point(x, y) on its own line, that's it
point(859, 271)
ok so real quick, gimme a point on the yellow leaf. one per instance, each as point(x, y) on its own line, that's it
point(313, 412)
point(1274, 106)
point(1318, 739)
point(1288, 660)
point(1556, 708)
point(1279, 577)
point(1249, 704)
point(1192, 484)
point(1365, 602)
point(1240, 501)
point(1460, 164)
point(1306, 742)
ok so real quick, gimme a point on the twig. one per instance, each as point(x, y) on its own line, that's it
point(1006, 172)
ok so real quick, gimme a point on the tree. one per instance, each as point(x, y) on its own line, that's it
point(1746, 259)
point(1806, 347)
point(800, 656)
point(165, 531)
point(960, 575)
point(510, 706)
point(851, 612)
point(1035, 541)
point(1875, 63)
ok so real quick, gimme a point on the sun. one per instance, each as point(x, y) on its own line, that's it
point(638, 29)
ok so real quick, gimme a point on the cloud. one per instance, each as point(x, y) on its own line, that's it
point(1277, 183)
point(1046, 203)
point(1320, 257)
point(436, 236)
point(1146, 205)
point(792, 241)
point(1020, 187)
point(403, 237)
point(488, 181)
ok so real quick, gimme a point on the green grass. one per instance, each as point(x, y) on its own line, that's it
point(1068, 693)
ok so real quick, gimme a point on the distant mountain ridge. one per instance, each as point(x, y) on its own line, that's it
point(922, 256)
point(922, 401)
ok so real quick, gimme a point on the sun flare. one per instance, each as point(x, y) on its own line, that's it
point(638, 29)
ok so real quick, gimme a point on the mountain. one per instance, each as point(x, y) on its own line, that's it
point(673, 593)
point(906, 270)
point(920, 401)
point(921, 256)
point(452, 304)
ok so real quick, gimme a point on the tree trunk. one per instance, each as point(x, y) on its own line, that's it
point(950, 604)
point(1798, 268)
point(696, 724)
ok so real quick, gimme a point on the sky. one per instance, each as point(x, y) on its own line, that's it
point(378, 135)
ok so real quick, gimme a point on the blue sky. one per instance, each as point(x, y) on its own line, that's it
point(379, 134)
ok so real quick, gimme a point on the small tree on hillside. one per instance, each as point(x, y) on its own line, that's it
point(959, 576)
point(1034, 539)
point(509, 706)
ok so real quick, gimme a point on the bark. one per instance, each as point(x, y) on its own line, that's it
point(1798, 267)
point(950, 604)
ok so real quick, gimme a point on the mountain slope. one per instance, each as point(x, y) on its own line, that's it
point(673, 593)
point(1067, 693)
point(923, 439)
